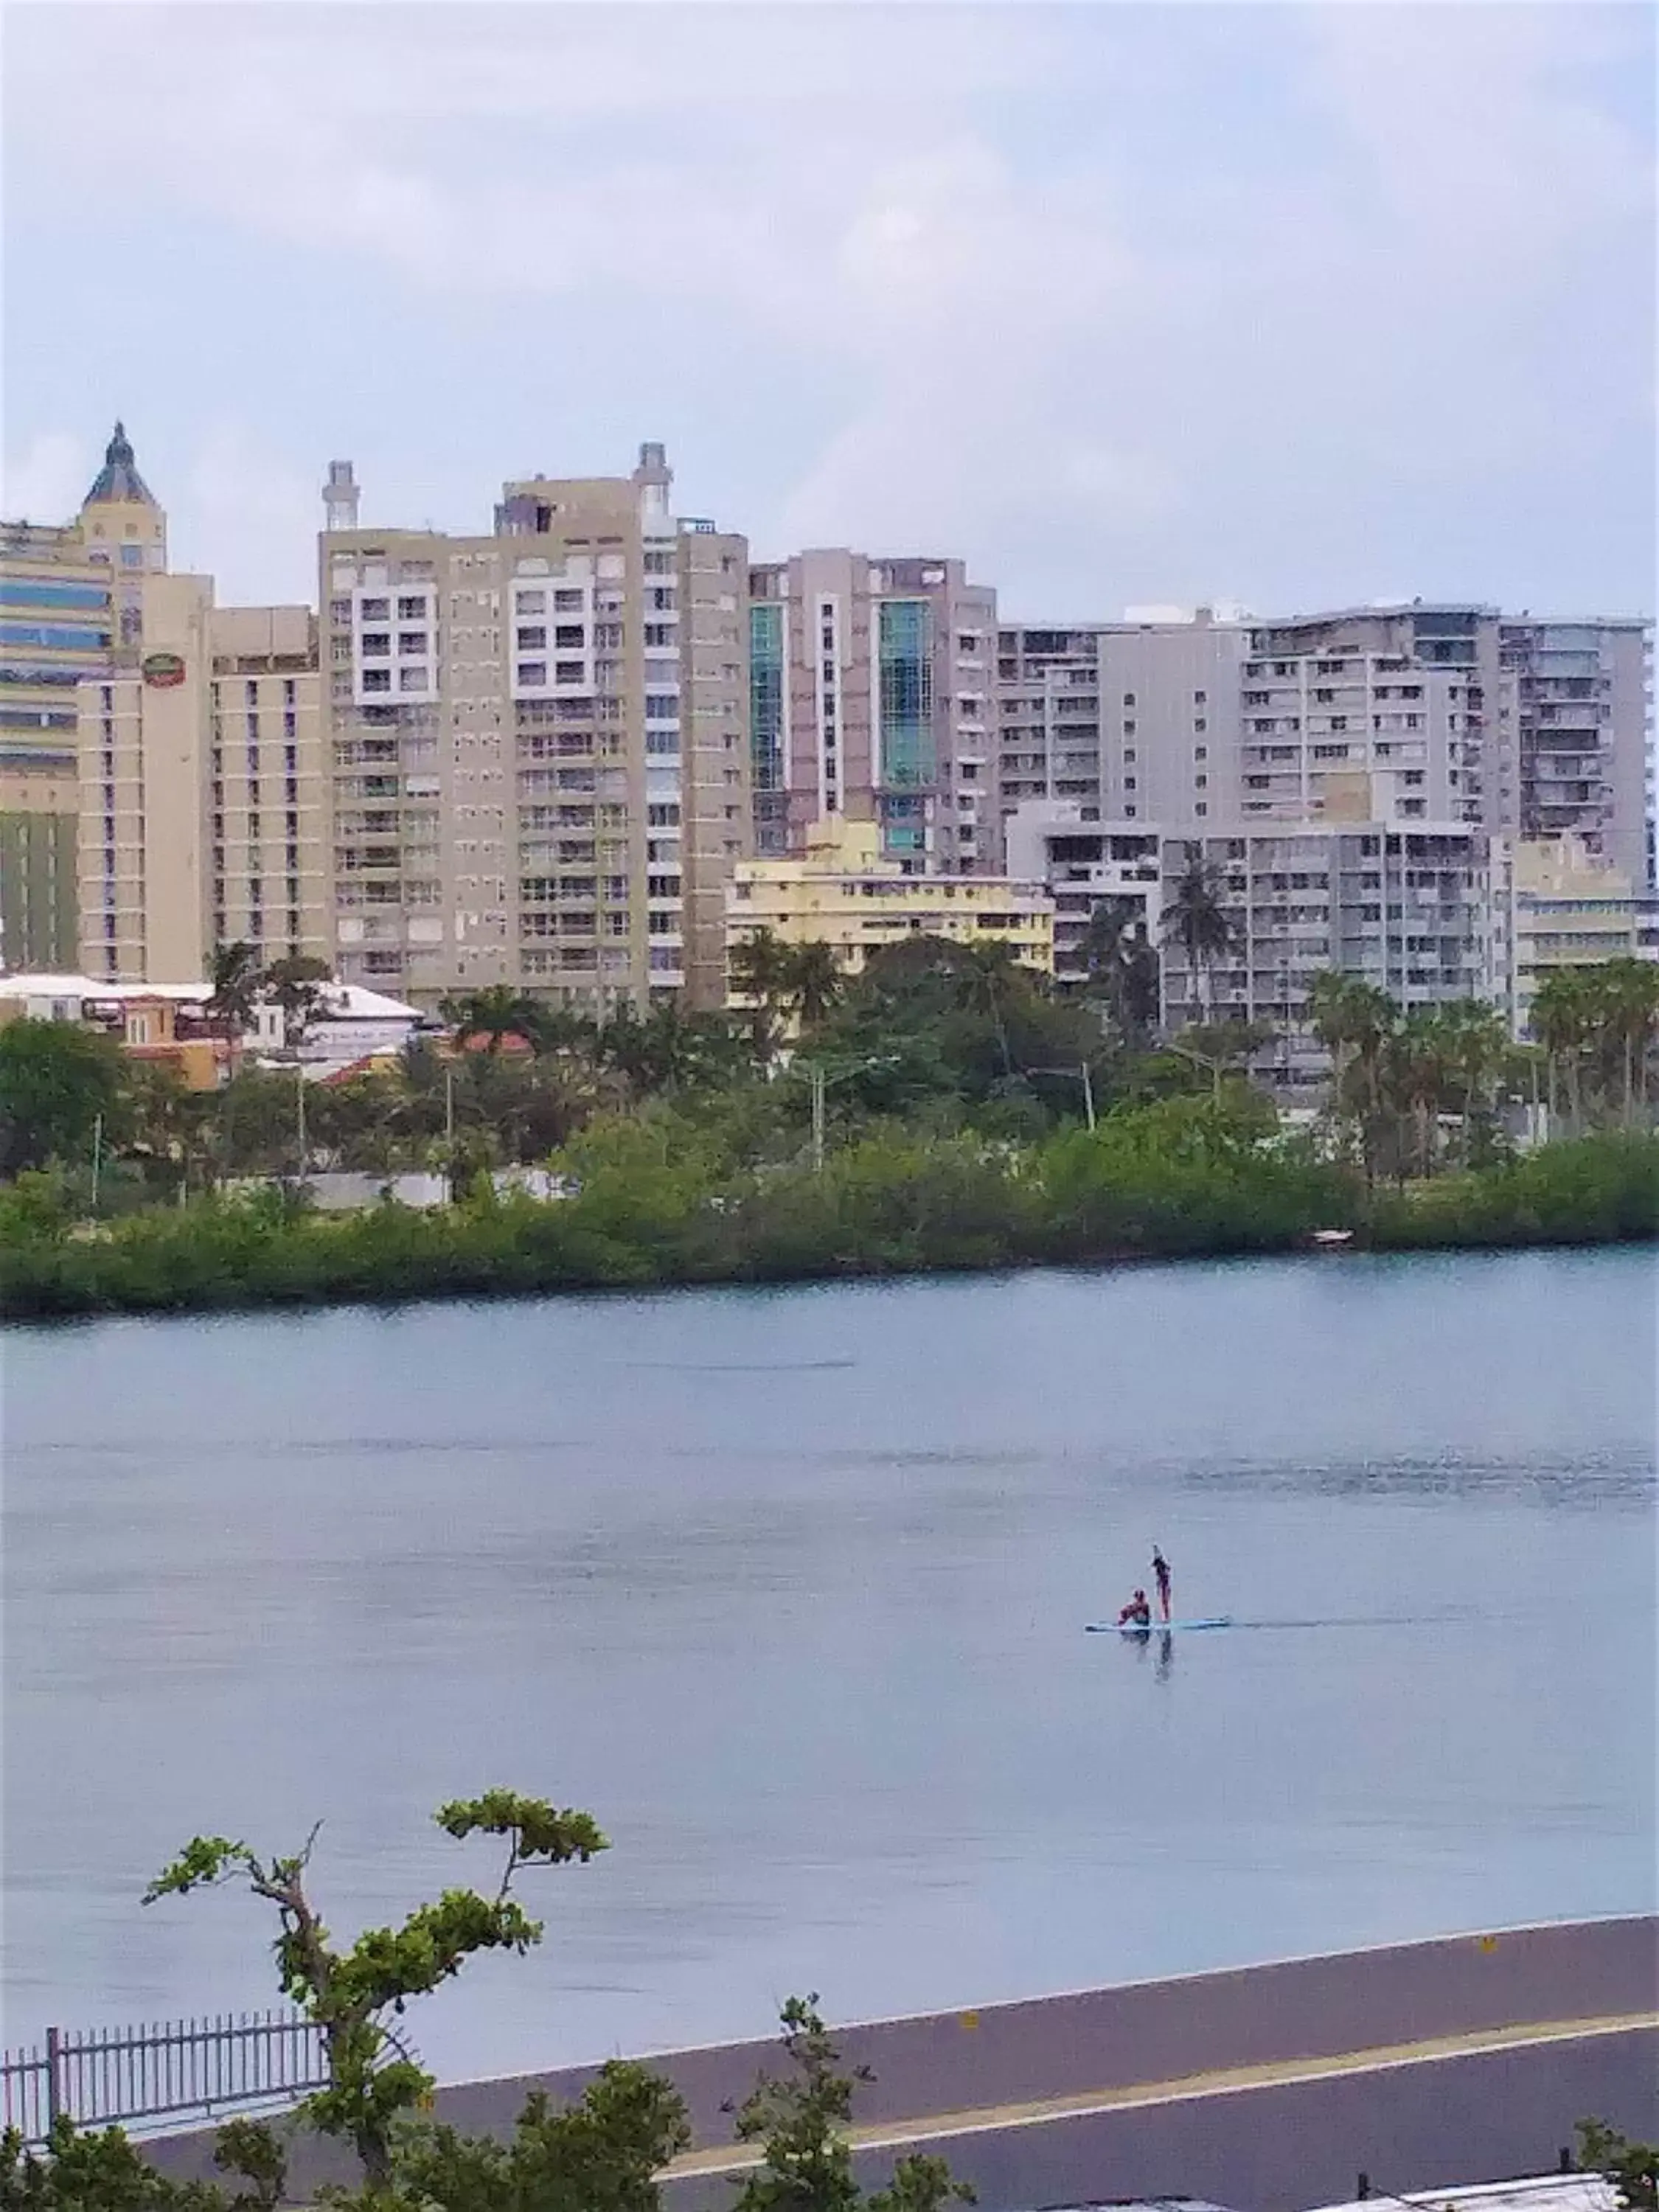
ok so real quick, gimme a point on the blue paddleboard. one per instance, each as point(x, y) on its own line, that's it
point(1158, 1627)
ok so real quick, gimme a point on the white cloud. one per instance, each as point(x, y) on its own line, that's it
point(47, 480)
point(1068, 302)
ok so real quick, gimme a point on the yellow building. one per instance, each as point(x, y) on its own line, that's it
point(1572, 909)
point(845, 895)
point(70, 608)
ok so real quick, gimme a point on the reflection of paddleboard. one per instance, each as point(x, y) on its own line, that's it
point(1153, 1627)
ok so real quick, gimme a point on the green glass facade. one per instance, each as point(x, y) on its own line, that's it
point(38, 902)
point(767, 678)
point(908, 760)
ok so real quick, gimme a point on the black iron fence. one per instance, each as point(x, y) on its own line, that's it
point(187, 2068)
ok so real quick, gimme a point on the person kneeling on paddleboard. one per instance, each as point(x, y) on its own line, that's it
point(1137, 1614)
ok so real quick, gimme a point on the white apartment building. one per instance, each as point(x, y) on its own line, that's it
point(1423, 910)
point(872, 695)
point(1130, 721)
point(538, 743)
point(1533, 728)
point(1085, 864)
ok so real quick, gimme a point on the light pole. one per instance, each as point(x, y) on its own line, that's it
point(820, 1078)
point(1081, 1074)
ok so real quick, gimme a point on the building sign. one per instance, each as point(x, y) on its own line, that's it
point(161, 671)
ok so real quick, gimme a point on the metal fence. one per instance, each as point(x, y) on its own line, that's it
point(189, 2067)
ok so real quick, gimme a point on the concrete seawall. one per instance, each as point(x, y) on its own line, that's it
point(1265, 2086)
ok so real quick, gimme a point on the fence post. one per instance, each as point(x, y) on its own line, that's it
point(54, 2075)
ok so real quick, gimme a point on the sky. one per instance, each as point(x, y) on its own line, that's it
point(1123, 304)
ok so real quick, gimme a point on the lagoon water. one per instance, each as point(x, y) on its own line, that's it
point(788, 1587)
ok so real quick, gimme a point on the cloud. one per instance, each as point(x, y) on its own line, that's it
point(1120, 302)
point(242, 495)
point(47, 480)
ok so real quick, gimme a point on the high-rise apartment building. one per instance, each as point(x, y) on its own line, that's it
point(872, 695)
point(1574, 737)
point(69, 606)
point(1423, 911)
point(1532, 728)
point(1129, 721)
point(538, 743)
point(202, 796)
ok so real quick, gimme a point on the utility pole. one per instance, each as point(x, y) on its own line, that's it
point(300, 1115)
point(97, 1158)
point(1088, 1096)
point(817, 1119)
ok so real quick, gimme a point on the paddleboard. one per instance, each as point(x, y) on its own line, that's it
point(1158, 1627)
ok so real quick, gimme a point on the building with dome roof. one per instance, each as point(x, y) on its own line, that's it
point(71, 601)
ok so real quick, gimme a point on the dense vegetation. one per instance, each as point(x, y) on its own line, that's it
point(947, 1111)
point(605, 2152)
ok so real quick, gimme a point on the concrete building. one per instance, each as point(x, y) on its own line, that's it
point(1575, 734)
point(1085, 864)
point(1530, 728)
point(843, 891)
point(1571, 909)
point(202, 797)
point(70, 605)
point(871, 690)
point(1129, 721)
point(537, 743)
point(1423, 911)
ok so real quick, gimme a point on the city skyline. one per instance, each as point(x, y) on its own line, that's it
point(1020, 287)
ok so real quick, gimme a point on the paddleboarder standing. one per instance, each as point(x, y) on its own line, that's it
point(1161, 1572)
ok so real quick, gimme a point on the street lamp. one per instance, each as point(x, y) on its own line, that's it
point(1078, 1074)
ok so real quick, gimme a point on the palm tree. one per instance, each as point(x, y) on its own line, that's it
point(1476, 1040)
point(1416, 1061)
point(1195, 917)
point(1353, 1016)
point(1628, 997)
point(495, 1013)
point(1122, 966)
point(235, 974)
point(815, 982)
point(1561, 1010)
point(760, 972)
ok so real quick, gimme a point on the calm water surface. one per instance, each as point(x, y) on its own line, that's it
point(789, 1589)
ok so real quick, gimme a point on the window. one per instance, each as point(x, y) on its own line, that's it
point(571, 637)
point(567, 603)
point(1200, 722)
point(1128, 698)
point(376, 609)
point(568, 671)
point(132, 556)
point(377, 679)
point(659, 564)
point(660, 633)
point(412, 609)
point(1201, 782)
point(376, 644)
point(531, 602)
point(1200, 698)
point(1200, 752)
point(532, 673)
point(532, 639)
point(411, 642)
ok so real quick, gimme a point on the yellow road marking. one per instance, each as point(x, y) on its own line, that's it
point(727, 2158)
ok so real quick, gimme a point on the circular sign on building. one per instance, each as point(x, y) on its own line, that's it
point(161, 671)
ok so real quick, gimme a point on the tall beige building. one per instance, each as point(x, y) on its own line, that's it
point(537, 741)
point(70, 604)
point(202, 797)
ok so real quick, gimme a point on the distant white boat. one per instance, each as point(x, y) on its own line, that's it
point(1331, 1240)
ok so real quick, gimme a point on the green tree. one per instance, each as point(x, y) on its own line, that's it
point(803, 2123)
point(760, 973)
point(294, 983)
point(1562, 1023)
point(56, 1081)
point(495, 1013)
point(601, 2155)
point(1221, 1048)
point(1354, 1020)
point(348, 1993)
point(1195, 917)
point(1631, 2167)
point(1121, 967)
point(96, 2170)
point(816, 983)
point(236, 977)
